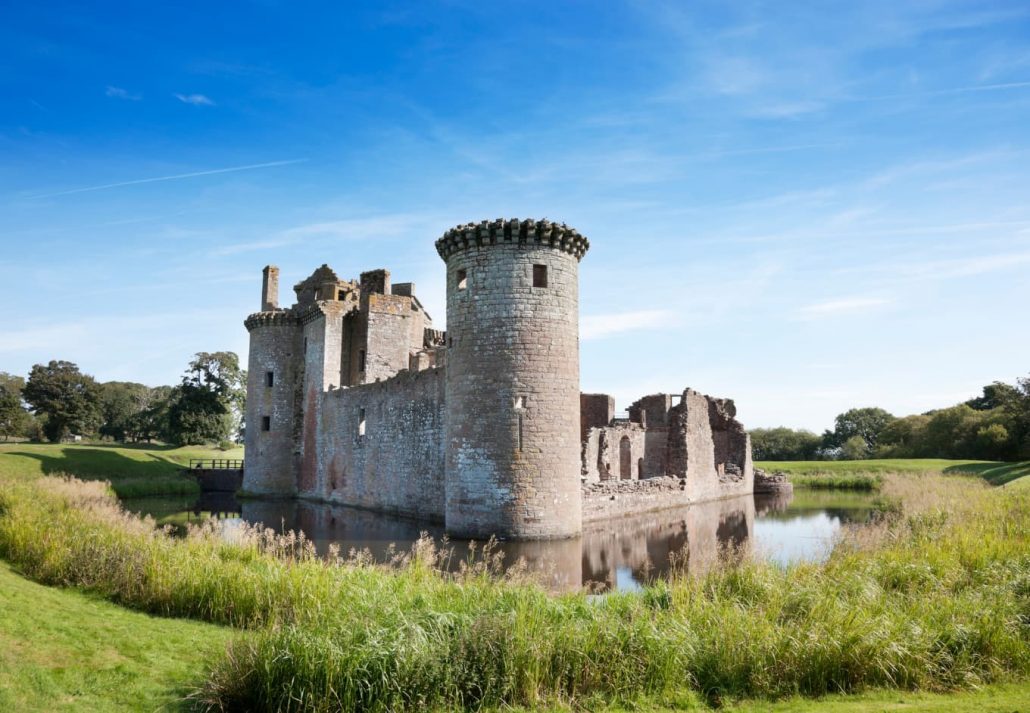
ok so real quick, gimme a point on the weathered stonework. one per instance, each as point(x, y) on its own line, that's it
point(354, 397)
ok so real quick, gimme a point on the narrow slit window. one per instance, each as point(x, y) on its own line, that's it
point(266, 423)
point(520, 432)
point(540, 276)
point(361, 422)
point(361, 360)
point(269, 379)
point(462, 279)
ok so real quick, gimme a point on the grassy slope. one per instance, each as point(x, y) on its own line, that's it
point(992, 471)
point(134, 471)
point(62, 650)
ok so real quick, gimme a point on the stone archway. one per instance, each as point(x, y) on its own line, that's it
point(625, 459)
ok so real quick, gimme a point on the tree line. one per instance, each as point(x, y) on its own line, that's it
point(992, 426)
point(58, 401)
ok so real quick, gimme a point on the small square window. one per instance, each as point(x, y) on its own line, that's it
point(269, 379)
point(266, 423)
point(540, 276)
point(462, 279)
point(520, 402)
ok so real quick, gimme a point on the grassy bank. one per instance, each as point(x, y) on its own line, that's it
point(133, 471)
point(868, 474)
point(935, 598)
point(63, 650)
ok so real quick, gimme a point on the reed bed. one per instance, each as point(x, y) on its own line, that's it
point(934, 595)
point(838, 481)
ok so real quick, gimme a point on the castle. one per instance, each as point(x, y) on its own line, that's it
point(353, 397)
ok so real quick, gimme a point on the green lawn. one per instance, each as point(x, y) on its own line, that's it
point(994, 472)
point(63, 650)
point(134, 470)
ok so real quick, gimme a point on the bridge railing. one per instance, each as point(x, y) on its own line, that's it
point(216, 464)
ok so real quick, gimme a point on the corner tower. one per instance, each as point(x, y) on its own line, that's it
point(272, 374)
point(512, 401)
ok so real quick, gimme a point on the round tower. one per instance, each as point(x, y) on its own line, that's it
point(275, 352)
point(512, 400)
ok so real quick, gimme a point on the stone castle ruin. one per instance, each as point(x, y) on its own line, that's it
point(353, 397)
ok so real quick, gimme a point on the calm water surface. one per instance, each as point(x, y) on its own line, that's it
point(618, 554)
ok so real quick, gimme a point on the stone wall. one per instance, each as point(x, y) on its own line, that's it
point(615, 453)
point(710, 472)
point(595, 411)
point(380, 446)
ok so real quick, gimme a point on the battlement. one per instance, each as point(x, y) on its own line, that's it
point(272, 318)
point(524, 233)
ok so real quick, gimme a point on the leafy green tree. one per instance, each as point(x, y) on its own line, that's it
point(992, 441)
point(864, 422)
point(152, 420)
point(855, 448)
point(902, 437)
point(208, 405)
point(14, 419)
point(121, 403)
point(784, 444)
point(69, 399)
point(995, 395)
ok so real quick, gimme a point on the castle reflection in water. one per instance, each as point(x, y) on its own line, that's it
point(616, 554)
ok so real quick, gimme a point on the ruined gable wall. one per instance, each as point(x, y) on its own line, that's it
point(394, 331)
point(398, 464)
point(693, 451)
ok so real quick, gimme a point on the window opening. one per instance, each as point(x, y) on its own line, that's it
point(540, 276)
point(266, 423)
point(520, 432)
point(361, 422)
point(361, 360)
point(269, 378)
point(462, 279)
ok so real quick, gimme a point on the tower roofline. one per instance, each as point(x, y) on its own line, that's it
point(523, 233)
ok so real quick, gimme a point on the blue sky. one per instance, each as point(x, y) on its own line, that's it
point(803, 206)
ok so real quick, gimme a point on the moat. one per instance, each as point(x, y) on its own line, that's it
point(617, 554)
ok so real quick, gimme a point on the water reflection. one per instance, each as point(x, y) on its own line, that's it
point(616, 554)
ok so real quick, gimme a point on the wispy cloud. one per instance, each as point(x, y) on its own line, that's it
point(837, 308)
point(195, 99)
point(596, 326)
point(174, 177)
point(385, 226)
point(119, 93)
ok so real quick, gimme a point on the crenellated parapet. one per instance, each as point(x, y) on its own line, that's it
point(530, 233)
point(274, 318)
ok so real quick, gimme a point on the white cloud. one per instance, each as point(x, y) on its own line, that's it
point(386, 226)
point(174, 177)
point(194, 99)
point(119, 93)
point(597, 326)
point(849, 305)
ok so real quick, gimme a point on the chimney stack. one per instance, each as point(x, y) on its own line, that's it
point(270, 288)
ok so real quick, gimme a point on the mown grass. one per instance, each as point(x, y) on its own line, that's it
point(936, 597)
point(64, 650)
point(868, 474)
point(133, 470)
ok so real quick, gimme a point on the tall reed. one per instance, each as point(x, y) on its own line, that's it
point(936, 596)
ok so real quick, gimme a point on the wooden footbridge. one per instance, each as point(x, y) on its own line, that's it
point(217, 475)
